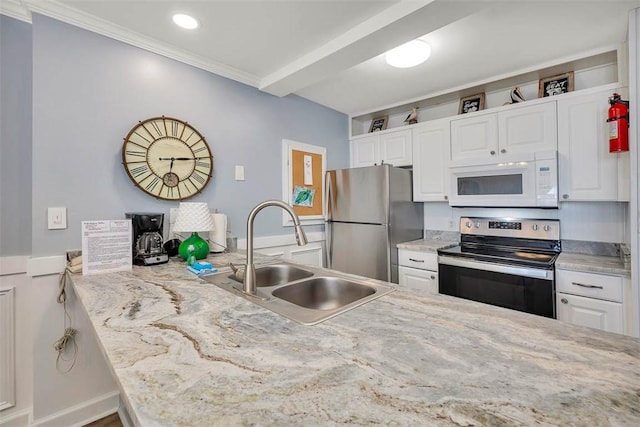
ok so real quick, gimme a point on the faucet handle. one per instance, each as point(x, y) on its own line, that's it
point(238, 273)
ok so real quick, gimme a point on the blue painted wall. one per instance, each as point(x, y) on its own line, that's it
point(90, 90)
point(15, 137)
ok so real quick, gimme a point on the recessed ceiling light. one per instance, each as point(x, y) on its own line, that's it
point(409, 54)
point(185, 21)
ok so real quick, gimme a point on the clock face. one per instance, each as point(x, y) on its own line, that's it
point(167, 158)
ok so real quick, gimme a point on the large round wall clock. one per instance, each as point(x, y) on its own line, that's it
point(167, 158)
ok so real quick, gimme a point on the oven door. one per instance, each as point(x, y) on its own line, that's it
point(531, 290)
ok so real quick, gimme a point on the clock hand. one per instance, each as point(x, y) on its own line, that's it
point(181, 158)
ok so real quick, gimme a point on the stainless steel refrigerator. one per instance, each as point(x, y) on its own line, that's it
point(369, 211)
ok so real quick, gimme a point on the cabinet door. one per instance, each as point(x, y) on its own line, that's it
point(591, 312)
point(528, 129)
point(431, 148)
point(475, 138)
point(586, 169)
point(365, 151)
point(422, 280)
point(395, 148)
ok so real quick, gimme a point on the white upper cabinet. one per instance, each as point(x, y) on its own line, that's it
point(431, 145)
point(483, 138)
point(390, 147)
point(586, 169)
point(475, 137)
point(365, 151)
point(528, 129)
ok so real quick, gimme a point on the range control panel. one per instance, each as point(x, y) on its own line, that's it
point(547, 229)
point(506, 225)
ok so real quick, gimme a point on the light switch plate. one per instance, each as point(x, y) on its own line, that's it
point(239, 173)
point(57, 218)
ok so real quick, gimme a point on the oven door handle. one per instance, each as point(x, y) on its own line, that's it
point(535, 273)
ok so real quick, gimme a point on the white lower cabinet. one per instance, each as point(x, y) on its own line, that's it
point(418, 270)
point(590, 299)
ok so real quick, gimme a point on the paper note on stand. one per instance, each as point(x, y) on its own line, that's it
point(106, 246)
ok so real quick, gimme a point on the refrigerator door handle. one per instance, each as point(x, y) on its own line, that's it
point(327, 225)
point(327, 244)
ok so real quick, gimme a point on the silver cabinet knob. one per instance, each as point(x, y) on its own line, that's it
point(503, 151)
point(565, 196)
point(493, 153)
point(433, 277)
point(564, 301)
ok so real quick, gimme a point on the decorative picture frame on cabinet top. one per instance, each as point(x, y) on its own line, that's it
point(555, 85)
point(378, 123)
point(472, 103)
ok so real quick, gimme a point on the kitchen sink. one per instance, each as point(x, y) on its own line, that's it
point(307, 295)
point(323, 293)
point(277, 274)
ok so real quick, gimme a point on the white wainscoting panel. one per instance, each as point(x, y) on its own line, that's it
point(7, 350)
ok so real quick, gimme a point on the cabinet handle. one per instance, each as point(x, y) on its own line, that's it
point(493, 153)
point(565, 196)
point(433, 277)
point(416, 260)
point(564, 301)
point(503, 151)
point(587, 286)
point(446, 197)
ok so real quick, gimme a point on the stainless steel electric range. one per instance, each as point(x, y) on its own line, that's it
point(505, 262)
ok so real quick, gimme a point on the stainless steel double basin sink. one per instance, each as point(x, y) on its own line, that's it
point(307, 295)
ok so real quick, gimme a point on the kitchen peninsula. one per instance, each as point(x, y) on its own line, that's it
point(185, 352)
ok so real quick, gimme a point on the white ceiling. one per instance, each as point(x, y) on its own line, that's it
point(331, 51)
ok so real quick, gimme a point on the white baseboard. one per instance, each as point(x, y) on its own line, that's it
point(17, 419)
point(83, 413)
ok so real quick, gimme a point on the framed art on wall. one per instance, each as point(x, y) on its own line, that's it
point(471, 103)
point(378, 123)
point(555, 85)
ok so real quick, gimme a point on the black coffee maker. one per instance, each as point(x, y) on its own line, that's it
point(147, 238)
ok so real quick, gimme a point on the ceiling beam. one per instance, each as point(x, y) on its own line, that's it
point(394, 26)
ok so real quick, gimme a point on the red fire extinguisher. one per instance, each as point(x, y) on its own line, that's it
point(618, 120)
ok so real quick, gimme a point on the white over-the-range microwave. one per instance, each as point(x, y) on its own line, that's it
point(522, 180)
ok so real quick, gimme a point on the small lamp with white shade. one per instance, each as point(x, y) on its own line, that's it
point(193, 218)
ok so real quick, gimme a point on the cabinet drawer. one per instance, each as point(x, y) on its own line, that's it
point(421, 280)
point(417, 259)
point(591, 285)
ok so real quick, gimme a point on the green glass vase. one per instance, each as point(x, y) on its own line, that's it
point(194, 245)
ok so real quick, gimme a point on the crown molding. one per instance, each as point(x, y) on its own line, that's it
point(15, 9)
point(69, 15)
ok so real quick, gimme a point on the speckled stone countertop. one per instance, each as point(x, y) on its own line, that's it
point(592, 263)
point(426, 245)
point(186, 353)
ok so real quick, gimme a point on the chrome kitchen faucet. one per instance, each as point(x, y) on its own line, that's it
point(249, 282)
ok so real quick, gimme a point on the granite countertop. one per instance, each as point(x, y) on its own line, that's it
point(593, 263)
point(186, 353)
point(427, 245)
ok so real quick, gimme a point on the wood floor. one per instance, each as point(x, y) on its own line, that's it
point(112, 420)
